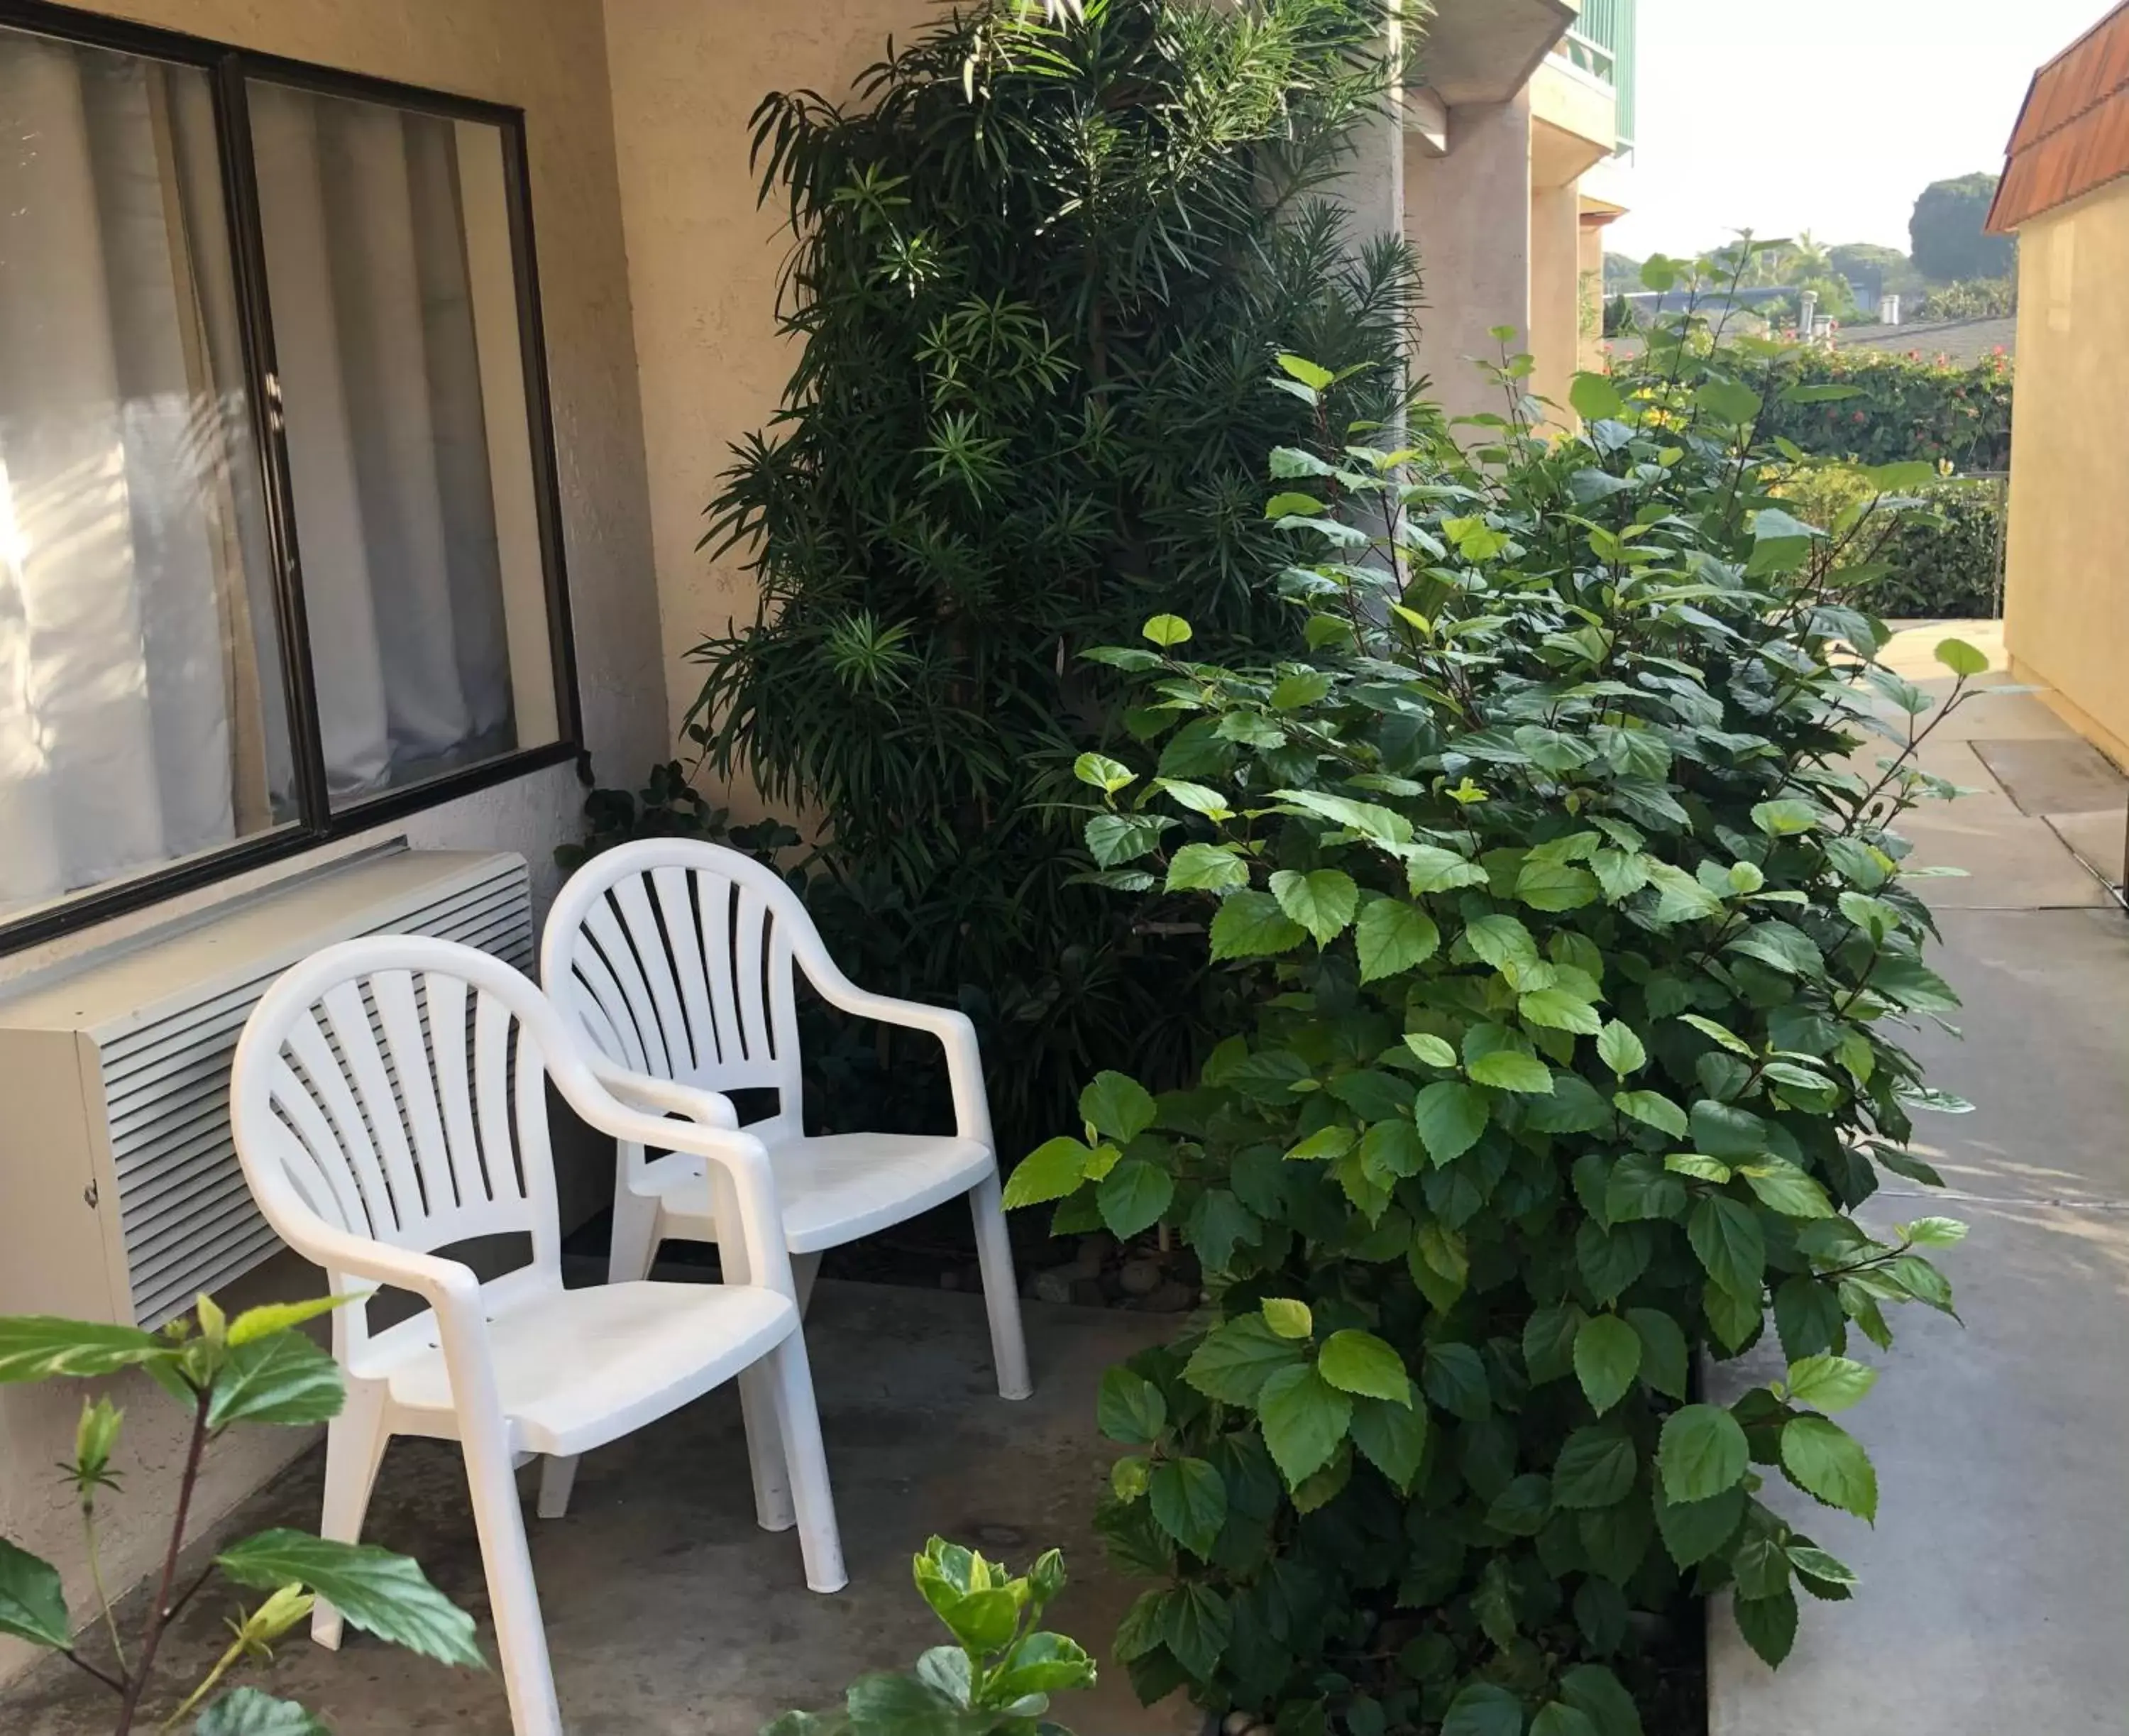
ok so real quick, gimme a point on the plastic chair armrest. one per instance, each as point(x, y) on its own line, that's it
point(656, 1096)
point(956, 1034)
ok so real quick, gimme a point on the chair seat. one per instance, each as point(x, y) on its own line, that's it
point(836, 1188)
point(578, 1368)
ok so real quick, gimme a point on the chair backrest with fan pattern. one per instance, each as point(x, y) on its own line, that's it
point(388, 1089)
point(674, 958)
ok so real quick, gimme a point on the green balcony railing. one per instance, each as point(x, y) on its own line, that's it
point(1601, 42)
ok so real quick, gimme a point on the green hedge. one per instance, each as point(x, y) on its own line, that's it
point(1940, 564)
point(1910, 406)
point(1946, 564)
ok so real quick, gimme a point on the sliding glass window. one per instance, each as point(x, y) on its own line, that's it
point(277, 530)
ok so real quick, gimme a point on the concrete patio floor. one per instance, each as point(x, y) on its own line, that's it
point(1995, 1594)
point(669, 1613)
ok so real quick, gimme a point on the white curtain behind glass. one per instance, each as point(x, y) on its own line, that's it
point(135, 725)
point(375, 333)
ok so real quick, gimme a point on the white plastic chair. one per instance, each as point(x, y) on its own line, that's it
point(389, 1099)
point(674, 960)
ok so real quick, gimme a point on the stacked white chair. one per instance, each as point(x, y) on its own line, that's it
point(674, 958)
point(389, 1099)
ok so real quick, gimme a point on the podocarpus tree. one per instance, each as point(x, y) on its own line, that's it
point(1577, 943)
point(1040, 267)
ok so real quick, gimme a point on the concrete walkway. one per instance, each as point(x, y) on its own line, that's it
point(669, 1613)
point(1996, 1584)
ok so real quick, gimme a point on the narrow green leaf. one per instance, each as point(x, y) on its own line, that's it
point(277, 1317)
point(44, 1348)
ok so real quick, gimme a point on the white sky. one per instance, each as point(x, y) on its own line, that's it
point(1825, 115)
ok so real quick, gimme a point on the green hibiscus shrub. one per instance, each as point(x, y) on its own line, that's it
point(996, 1679)
point(255, 1368)
point(1577, 938)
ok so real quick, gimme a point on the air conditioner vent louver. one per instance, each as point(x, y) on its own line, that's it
point(117, 1174)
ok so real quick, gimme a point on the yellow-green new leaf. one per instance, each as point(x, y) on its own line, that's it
point(1050, 1172)
point(1360, 1362)
point(1620, 1049)
point(1287, 1316)
point(1830, 1383)
point(1206, 868)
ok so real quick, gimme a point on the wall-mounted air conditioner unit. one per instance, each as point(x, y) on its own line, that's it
point(121, 1197)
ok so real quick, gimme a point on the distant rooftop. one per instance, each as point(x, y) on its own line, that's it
point(2073, 133)
point(1963, 341)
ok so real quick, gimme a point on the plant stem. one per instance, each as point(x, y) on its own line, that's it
point(222, 1665)
point(96, 1579)
point(159, 1612)
point(83, 1664)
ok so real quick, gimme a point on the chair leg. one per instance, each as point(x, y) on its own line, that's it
point(773, 1510)
point(1000, 1289)
point(520, 1640)
point(354, 1448)
point(635, 1243)
point(805, 1268)
point(558, 1476)
point(798, 1422)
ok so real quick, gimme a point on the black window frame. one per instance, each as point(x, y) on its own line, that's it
point(230, 69)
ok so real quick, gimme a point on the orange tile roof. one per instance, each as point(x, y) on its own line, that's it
point(2073, 133)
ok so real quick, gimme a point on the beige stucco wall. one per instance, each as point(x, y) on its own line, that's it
point(548, 57)
point(2066, 615)
point(1468, 215)
point(703, 260)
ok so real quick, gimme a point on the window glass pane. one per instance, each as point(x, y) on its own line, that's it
point(142, 717)
point(395, 325)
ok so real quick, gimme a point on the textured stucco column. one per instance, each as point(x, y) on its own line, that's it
point(1556, 293)
point(1468, 214)
point(1372, 187)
